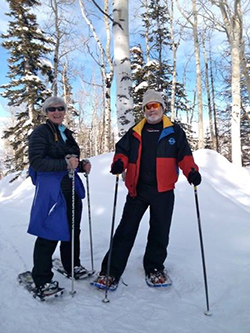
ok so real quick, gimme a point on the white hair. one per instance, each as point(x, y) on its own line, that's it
point(51, 101)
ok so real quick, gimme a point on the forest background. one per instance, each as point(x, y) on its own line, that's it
point(101, 56)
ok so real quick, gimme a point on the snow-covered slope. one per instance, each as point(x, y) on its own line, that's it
point(224, 198)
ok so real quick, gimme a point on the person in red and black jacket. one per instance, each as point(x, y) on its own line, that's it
point(151, 152)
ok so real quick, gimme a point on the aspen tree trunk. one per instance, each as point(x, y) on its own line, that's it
point(232, 21)
point(174, 51)
point(189, 113)
point(54, 7)
point(194, 25)
point(194, 103)
point(66, 96)
point(106, 77)
point(122, 66)
point(198, 77)
point(210, 113)
point(236, 103)
point(95, 131)
point(244, 67)
point(213, 105)
point(108, 81)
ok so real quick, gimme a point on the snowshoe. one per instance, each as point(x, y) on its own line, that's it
point(158, 279)
point(101, 283)
point(80, 272)
point(42, 293)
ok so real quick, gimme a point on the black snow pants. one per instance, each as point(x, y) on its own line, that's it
point(161, 209)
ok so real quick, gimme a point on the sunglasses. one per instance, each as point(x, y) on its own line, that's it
point(54, 108)
point(154, 105)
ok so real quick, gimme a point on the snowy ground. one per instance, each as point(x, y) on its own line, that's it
point(224, 198)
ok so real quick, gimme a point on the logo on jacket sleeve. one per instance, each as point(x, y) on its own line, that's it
point(171, 141)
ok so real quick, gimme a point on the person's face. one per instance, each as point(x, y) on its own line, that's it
point(56, 113)
point(153, 112)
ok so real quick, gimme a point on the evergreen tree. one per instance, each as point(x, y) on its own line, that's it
point(208, 141)
point(154, 72)
point(138, 71)
point(28, 68)
point(245, 127)
point(72, 113)
point(193, 142)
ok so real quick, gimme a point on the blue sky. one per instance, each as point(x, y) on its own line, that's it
point(183, 54)
point(3, 55)
point(3, 79)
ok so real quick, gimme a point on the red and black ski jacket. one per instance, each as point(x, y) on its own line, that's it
point(173, 151)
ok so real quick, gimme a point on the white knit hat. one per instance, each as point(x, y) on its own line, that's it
point(152, 96)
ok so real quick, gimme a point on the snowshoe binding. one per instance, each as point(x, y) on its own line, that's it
point(101, 282)
point(158, 279)
point(80, 272)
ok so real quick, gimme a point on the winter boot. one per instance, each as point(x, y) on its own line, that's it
point(48, 289)
point(158, 279)
point(100, 282)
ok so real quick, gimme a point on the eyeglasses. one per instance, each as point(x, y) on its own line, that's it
point(54, 108)
point(154, 105)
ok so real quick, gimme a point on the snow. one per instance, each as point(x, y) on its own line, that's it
point(31, 78)
point(142, 85)
point(22, 28)
point(224, 200)
point(152, 63)
point(46, 62)
point(4, 123)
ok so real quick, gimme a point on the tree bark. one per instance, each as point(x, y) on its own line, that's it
point(198, 77)
point(210, 113)
point(194, 25)
point(232, 21)
point(106, 77)
point(122, 66)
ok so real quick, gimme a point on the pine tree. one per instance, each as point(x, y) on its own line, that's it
point(245, 127)
point(155, 71)
point(156, 22)
point(72, 113)
point(28, 68)
point(138, 71)
point(208, 140)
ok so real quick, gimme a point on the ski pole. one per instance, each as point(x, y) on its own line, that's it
point(90, 224)
point(106, 300)
point(207, 312)
point(72, 176)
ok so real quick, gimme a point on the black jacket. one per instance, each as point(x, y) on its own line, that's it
point(47, 150)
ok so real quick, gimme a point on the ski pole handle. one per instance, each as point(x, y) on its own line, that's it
point(72, 163)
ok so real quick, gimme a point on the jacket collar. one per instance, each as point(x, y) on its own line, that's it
point(138, 128)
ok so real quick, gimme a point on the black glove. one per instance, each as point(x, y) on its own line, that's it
point(194, 177)
point(117, 167)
